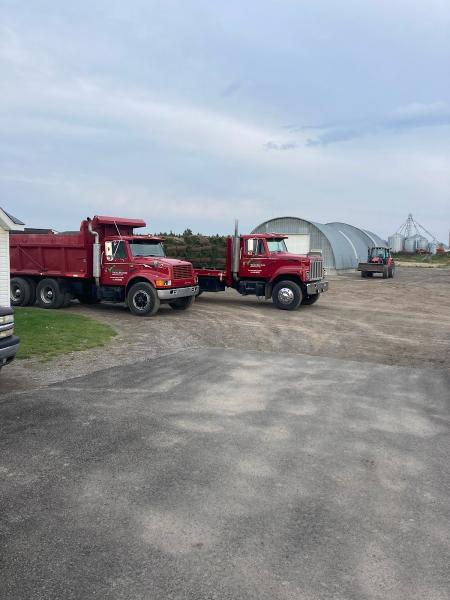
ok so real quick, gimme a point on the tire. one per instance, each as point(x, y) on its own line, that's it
point(363, 274)
point(67, 300)
point(308, 300)
point(182, 303)
point(369, 274)
point(287, 295)
point(33, 285)
point(49, 294)
point(19, 291)
point(142, 299)
point(385, 273)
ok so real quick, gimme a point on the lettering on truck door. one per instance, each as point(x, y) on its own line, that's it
point(115, 263)
point(254, 257)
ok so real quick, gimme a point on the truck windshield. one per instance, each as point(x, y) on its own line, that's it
point(276, 246)
point(146, 248)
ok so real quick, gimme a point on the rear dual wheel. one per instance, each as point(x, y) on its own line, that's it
point(49, 294)
point(22, 291)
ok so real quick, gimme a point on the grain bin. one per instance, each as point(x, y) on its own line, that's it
point(422, 243)
point(411, 244)
point(396, 242)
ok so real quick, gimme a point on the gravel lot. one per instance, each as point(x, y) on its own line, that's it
point(404, 321)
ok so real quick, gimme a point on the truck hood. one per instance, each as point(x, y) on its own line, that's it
point(151, 260)
point(295, 257)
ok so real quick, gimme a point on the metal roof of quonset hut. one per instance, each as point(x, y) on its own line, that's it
point(342, 245)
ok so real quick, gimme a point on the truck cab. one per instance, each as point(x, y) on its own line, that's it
point(139, 260)
point(104, 260)
point(261, 265)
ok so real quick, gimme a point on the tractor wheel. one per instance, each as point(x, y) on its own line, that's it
point(363, 274)
point(385, 273)
point(142, 299)
point(182, 303)
point(287, 295)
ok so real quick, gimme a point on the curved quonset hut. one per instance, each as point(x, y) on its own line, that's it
point(342, 245)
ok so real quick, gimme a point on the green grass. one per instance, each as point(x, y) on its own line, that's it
point(47, 333)
point(440, 260)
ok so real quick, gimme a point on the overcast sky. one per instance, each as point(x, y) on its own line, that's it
point(190, 113)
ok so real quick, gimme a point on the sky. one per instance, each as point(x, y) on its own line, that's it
point(192, 113)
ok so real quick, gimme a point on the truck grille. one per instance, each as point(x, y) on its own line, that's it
point(316, 270)
point(183, 272)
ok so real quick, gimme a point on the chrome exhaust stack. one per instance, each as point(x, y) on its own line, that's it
point(95, 253)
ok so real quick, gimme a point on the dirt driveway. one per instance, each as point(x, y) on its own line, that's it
point(404, 321)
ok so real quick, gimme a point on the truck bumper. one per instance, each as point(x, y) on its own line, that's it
point(8, 349)
point(175, 293)
point(316, 287)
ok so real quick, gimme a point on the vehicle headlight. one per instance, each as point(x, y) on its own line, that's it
point(6, 319)
point(163, 282)
point(7, 332)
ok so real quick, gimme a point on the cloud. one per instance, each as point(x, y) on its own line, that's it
point(404, 118)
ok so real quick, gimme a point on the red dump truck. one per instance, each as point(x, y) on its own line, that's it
point(260, 265)
point(105, 260)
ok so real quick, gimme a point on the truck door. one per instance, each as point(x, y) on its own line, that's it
point(115, 263)
point(254, 258)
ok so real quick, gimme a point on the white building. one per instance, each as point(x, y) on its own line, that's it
point(7, 223)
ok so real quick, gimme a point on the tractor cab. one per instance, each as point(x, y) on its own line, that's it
point(379, 254)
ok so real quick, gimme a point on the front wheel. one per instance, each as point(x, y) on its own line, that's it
point(308, 300)
point(142, 299)
point(182, 303)
point(287, 295)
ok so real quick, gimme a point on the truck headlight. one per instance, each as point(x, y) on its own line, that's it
point(163, 282)
point(7, 332)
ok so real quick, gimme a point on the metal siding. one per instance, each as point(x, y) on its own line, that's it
point(4, 268)
point(287, 225)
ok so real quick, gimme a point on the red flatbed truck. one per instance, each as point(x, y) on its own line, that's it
point(105, 260)
point(260, 264)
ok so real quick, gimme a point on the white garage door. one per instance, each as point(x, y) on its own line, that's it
point(298, 243)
